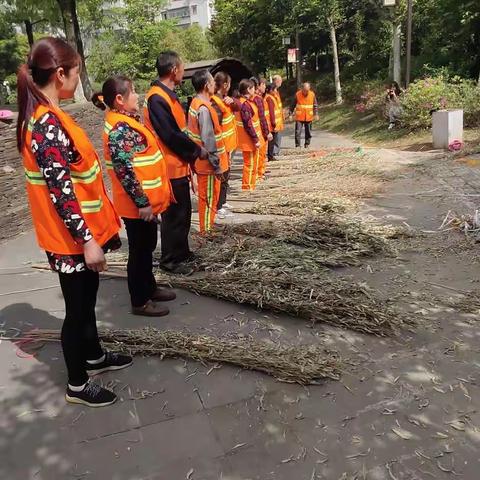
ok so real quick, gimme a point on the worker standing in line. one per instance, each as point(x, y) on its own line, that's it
point(250, 138)
point(205, 130)
point(75, 222)
point(306, 110)
point(225, 106)
point(260, 87)
point(165, 116)
point(277, 81)
point(140, 187)
point(273, 114)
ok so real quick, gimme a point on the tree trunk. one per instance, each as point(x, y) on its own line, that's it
point(68, 9)
point(299, 58)
point(397, 52)
point(336, 63)
point(29, 32)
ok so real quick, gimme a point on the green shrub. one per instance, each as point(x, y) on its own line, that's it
point(434, 93)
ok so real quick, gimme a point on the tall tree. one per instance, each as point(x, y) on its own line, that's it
point(68, 10)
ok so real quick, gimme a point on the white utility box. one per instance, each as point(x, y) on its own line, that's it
point(447, 126)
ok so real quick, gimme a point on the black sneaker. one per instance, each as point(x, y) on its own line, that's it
point(112, 361)
point(93, 395)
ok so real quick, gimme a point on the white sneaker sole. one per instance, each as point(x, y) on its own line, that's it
point(79, 401)
point(112, 368)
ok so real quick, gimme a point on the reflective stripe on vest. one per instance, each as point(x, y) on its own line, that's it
point(176, 167)
point(149, 168)
point(305, 106)
point(87, 184)
point(204, 166)
point(245, 142)
point(228, 124)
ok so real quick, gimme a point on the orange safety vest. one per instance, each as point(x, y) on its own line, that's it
point(149, 167)
point(267, 114)
point(203, 166)
point(176, 167)
point(304, 108)
point(245, 142)
point(87, 183)
point(279, 120)
point(228, 124)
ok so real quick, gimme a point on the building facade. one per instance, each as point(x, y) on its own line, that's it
point(190, 12)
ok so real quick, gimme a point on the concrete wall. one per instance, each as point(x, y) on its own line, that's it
point(14, 211)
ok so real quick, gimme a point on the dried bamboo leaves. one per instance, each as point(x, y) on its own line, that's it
point(301, 364)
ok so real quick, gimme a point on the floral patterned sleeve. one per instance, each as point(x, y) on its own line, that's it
point(123, 143)
point(54, 152)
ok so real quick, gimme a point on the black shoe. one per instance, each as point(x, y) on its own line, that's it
point(112, 361)
point(178, 269)
point(93, 395)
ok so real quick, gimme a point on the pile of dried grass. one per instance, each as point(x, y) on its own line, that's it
point(237, 251)
point(314, 297)
point(324, 181)
point(292, 204)
point(325, 232)
point(301, 364)
point(305, 244)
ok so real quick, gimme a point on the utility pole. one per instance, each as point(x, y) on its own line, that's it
point(409, 43)
point(299, 57)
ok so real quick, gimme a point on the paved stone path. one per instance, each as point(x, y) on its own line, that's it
point(407, 409)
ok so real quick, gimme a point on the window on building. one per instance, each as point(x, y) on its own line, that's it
point(194, 9)
point(183, 12)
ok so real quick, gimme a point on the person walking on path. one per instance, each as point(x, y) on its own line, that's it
point(141, 189)
point(225, 106)
point(277, 81)
point(306, 110)
point(250, 138)
point(260, 87)
point(204, 128)
point(74, 220)
point(165, 116)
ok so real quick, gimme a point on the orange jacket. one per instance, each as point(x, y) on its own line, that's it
point(228, 124)
point(86, 174)
point(305, 106)
point(279, 113)
point(175, 166)
point(149, 167)
point(245, 142)
point(203, 166)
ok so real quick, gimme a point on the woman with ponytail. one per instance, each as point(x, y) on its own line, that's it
point(141, 189)
point(74, 220)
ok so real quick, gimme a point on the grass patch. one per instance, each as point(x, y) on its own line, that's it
point(369, 130)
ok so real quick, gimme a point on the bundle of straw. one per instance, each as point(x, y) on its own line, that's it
point(223, 252)
point(325, 232)
point(301, 364)
point(314, 297)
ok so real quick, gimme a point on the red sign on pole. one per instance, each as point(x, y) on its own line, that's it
point(292, 55)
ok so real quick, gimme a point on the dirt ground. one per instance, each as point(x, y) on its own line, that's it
point(406, 408)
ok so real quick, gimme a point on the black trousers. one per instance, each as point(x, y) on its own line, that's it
point(142, 242)
point(79, 332)
point(176, 223)
point(222, 199)
point(298, 133)
point(271, 146)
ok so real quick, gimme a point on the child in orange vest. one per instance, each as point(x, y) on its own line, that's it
point(141, 189)
point(250, 138)
point(74, 220)
point(204, 128)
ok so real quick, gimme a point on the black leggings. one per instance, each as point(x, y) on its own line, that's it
point(142, 242)
point(176, 222)
point(79, 332)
